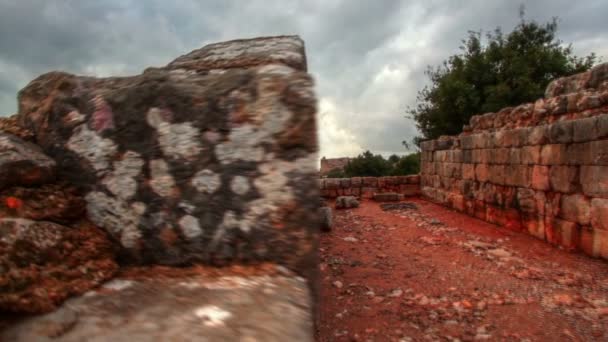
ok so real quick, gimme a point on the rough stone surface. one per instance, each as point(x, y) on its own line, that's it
point(209, 159)
point(43, 263)
point(346, 202)
point(388, 197)
point(231, 308)
point(326, 218)
point(23, 163)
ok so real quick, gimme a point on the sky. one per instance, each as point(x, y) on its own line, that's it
point(367, 57)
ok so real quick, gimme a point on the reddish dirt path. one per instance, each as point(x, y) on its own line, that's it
point(431, 274)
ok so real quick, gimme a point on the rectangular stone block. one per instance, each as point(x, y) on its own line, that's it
point(579, 154)
point(540, 178)
point(599, 214)
point(497, 174)
point(518, 175)
point(514, 155)
point(482, 172)
point(356, 181)
point(370, 181)
point(345, 183)
point(561, 132)
point(575, 208)
point(468, 171)
point(412, 179)
point(480, 210)
point(585, 129)
point(538, 135)
point(554, 154)
point(526, 200)
point(332, 183)
point(409, 189)
point(535, 226)
point(355, 191)
point(594, 180)
point(368, 192)
point(564, 179)
point(598, 152)
point(568, 234)
point(530, 155)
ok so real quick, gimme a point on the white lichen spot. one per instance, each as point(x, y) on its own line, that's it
point(121, 181)
point(279, 69)
point(190, 227)
point(206, 181)
point(176, 140)
point(161, 180)
point(212, 315)
point(115, 216)
point(73, 118)
point(92, 147)
point(118, 284)
point(138, 207)
point(239, 185)
point(242, 145)
point(187, 207)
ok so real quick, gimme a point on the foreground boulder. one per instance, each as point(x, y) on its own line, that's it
point(210, 159)
point(346, 202)
point(23, 163)
point(228, 308)
point(43, 263)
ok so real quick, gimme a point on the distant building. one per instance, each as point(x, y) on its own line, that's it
point(328, 164)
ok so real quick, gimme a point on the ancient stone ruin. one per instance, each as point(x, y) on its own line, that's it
point(540, 167)
point(210, 160)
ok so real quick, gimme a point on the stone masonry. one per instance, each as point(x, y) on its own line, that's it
point(367, 187)
point(539, 167)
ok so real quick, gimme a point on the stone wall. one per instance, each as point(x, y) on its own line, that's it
point(366, 187)
point(539, 167)
point(328, 164)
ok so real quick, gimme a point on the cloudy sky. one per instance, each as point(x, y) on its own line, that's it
point(368, 57)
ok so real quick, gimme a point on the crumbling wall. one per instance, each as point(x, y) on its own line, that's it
point(539, 167)
point(366, 187)
point(328, 164)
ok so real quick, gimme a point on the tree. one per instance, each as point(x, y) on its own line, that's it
point(368, 164)
point(504, 71)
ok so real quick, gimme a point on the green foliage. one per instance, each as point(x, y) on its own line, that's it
point(368, 164)
point(506, 70)
point(336, 173)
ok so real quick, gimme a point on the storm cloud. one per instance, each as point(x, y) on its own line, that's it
point(368, 57)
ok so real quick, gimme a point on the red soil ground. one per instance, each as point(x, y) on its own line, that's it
point(432, 274)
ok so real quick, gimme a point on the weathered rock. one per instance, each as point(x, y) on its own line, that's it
point(589, 79)
point(346, 202)
point(388, 197)
point(43, 263)
point(51, 202)
point(210, 159)
point(326, 218)
point(23, 163)
point(11, 125)
point(230, 308)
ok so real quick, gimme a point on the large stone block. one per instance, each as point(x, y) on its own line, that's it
point(594, 180)
point(210, 159)
point(599, 213)
point(598, 152)
point(554, 154)
point(530, 155)
point(497, 174)
point(518, 175)
point(540, 178)
point(575, 208)
point(579, 154)
point(561, 132)
point(482, 172)
point(564, 178)
point(538, 135)
point(575, 83)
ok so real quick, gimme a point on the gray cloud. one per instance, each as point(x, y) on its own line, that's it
point(368, 57)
